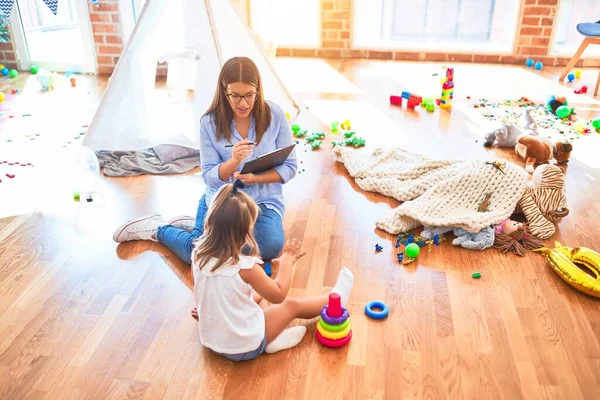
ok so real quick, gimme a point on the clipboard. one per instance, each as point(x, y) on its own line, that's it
point(267, 161)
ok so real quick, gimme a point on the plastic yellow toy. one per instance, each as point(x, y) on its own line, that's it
point(346, 125)
point(564, 260)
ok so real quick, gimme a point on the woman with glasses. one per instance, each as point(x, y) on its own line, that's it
point(238, 126)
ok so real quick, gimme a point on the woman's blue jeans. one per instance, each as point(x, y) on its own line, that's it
point(268, 233)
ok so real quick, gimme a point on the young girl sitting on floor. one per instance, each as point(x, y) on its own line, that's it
point(226, 284)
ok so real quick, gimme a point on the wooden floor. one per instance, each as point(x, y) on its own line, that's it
point(83, 318)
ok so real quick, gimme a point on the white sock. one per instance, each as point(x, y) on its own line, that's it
point(343, 285)
point(287, 339)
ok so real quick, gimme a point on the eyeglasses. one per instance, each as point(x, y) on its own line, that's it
point(236, 98)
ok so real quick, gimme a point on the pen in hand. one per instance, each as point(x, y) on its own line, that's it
point(230, 145)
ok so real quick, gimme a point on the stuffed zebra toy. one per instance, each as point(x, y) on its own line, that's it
point(545, 203)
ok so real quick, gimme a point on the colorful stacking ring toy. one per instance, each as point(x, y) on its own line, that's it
point(334, 343)
point(333, 335)
point(334, 320)
point(371, 313)
point(334, 328)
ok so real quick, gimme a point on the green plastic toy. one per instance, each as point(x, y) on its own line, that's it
point(338, 143)
point(564, 111)
point(300, 134)
point(358, 141)
point(13, 73)
point(412, 250)
point(295, 128)
point(34, 69)
point(476, 275)
point(349, 134)
point(596, 123)
point(334, 126)
point(316, 144)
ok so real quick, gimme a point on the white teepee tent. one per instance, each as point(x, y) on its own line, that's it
point(197, 36)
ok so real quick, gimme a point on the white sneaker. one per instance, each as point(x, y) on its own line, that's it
point(184, 222)
point(143, 228)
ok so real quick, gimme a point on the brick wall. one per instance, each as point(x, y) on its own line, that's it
point(7, 55)
point(106, 28)
point(534, 32)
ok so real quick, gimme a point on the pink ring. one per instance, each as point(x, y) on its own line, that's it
point(334, 320)
point(334, 343)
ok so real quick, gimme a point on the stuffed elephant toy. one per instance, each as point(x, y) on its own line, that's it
point(545, 203)
point(506, 136)
point(468, 240)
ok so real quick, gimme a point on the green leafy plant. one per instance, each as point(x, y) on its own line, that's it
point(4, 32)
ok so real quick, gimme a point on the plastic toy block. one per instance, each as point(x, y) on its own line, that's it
point(76, 196)
point(414, 101)
point(396, 100)
point(476, 275)
point(406, 95)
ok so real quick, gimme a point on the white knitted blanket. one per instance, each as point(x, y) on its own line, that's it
point(436, 192)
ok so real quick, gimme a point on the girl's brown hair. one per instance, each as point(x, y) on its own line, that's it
point(239, 69)
point(228, 227)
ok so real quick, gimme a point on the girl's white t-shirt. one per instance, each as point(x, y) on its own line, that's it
point(230, 321)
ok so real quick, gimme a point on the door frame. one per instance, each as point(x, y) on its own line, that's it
point(90, 64)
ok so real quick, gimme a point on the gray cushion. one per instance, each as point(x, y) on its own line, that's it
point(591, 29)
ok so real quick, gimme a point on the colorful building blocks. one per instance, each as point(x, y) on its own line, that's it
point(334, 328)
point(396, 100)
point(414, 101)
point(447, 90)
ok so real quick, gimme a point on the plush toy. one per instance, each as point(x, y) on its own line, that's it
point(545, 203)
point(530, 124)
point(534, 150)
point(506, 136)
point(474, 241)
point(562, 151)
point(515, 236)
point(468, 240)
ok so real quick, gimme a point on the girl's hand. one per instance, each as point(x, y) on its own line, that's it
point(291, 251)
point(248, 179)
point(241, 151)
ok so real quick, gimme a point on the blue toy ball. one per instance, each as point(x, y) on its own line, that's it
point(571, 77)
point(529, 62)
point(539, 65)
point(5, 71)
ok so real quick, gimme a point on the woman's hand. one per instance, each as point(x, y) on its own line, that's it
point(241, 151)
point(248, 179)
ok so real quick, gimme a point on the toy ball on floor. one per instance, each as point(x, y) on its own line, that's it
point(33, 69)
point(539, 65)
point(2, 97)
point(553, 103)
point(571, 77)
point(580, 126)
point(577, 73)
point(13, 73)
point(412, 250)
point(596, 124)
point(529, 62)
point(4, 71)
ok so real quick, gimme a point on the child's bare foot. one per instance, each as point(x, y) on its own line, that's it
point(195, 313)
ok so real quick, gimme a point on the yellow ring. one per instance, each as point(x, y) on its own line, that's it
point(334, 335)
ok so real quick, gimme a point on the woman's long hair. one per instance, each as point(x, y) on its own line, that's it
point(228, 227)
point(239, 69)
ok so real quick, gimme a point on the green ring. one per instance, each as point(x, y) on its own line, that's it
point(334, 328)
